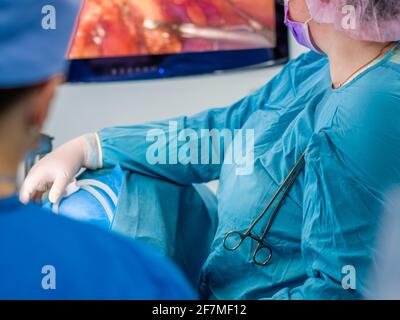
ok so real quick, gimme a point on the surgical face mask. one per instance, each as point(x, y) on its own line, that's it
point(300, 31)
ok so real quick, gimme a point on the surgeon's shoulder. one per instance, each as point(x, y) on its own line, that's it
point(383, 79)
point(374, 97)
point(310, 60)
point(310, 57)
point(304, 72)
point(366, 127)
point(129, 269)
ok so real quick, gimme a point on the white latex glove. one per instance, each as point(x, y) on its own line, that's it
point(58, 169)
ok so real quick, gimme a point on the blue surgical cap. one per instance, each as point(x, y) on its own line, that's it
point(34, 39)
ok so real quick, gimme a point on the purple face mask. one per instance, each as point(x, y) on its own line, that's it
point(301, 31)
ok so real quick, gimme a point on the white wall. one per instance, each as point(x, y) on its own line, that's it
point(85, 108)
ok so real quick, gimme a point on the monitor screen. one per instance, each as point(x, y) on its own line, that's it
point(147, 39)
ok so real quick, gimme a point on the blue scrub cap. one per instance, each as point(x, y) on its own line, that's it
point(34, 39)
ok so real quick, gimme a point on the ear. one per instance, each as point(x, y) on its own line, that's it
point(41, 101)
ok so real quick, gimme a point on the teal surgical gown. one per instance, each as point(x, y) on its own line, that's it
point(44, 256)
point(327, 224)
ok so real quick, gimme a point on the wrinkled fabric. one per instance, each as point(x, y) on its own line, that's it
point(385, 277)
point(92, 203)
point(329, 219)
point(366, 20)
point(179, 221)
point(140, 206)
point(40, 251)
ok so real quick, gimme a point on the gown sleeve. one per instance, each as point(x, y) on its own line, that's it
point(128, 146)
point(350, 166)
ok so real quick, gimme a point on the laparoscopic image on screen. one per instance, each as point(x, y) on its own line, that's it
point(117, 28)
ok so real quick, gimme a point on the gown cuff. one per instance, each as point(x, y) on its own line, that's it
point(94, 155)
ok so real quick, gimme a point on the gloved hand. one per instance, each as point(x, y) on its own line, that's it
point(59, 168)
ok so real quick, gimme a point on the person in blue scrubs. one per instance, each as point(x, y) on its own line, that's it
point(44, 256)
point(338, 104)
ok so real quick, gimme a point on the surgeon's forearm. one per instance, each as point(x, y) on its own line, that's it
point(131, 147)
point(155, 148)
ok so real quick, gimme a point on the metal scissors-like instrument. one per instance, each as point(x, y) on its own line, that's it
point(263, 253)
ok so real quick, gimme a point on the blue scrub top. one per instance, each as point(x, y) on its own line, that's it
point(327, 224)
point(88, 263)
